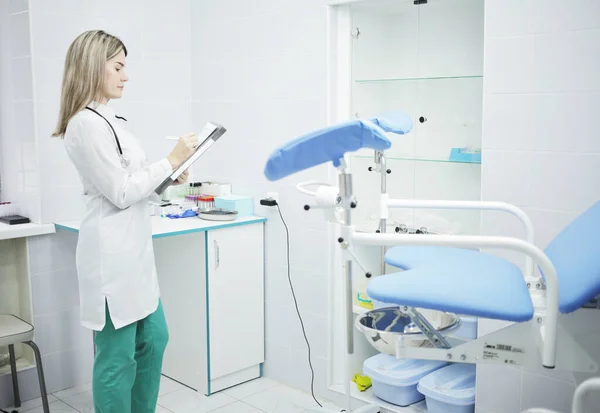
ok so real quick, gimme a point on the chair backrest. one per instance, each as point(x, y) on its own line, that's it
point(575, 253)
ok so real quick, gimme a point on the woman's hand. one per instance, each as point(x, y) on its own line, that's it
point(182, 179)
point(186, 145)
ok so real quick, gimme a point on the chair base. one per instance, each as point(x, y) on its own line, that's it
point(519, 345)
point(13, 372)
point(40, 371)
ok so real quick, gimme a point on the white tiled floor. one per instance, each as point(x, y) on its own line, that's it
point(257, 396)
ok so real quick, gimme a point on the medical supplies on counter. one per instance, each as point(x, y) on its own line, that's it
point(208, 200)
point(207, 188)
point(205, 202)
point(244, 205)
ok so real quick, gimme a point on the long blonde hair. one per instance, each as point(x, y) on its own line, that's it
point(83, 77)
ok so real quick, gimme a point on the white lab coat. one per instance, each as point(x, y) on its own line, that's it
point(115, 256)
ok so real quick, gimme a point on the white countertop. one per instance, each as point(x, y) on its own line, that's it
point(167, 227)
point(24, 230)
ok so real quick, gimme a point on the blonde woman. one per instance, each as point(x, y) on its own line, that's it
point(119, 293)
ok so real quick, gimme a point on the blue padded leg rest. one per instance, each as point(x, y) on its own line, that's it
point(480, 285)
point(395, 121)
point(329, 144)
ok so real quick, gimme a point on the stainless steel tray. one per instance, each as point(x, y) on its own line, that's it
point(217, 214)
point(385, 327)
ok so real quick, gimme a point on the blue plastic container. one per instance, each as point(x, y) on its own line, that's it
point(395, 380)
point(244, 205)
point(462, 155)
point(450, 389)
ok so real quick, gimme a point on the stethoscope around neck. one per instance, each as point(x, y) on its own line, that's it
point(124, 161)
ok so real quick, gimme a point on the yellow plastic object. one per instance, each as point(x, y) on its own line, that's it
point(362, 382)
point(363, 300)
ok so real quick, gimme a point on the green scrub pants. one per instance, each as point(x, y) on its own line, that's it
point(128, 364)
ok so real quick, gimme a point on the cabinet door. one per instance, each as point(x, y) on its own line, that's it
point(385, 40)
point(180, 264)
point(450, 38)
point(236, 298)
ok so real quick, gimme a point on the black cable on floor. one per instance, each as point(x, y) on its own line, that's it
point(312, 381)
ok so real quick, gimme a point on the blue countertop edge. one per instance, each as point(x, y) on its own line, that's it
point(226, 224)
point(216, 225)
point(59, 226)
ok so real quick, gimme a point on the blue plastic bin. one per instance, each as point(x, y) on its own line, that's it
point(462, 155)
point(395, 380)
point(450, 389)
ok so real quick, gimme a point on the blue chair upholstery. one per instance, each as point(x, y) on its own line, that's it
point(575, 253)
point(329, 144)
point(479, 284)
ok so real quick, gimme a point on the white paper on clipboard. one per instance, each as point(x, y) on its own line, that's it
point(209, 135)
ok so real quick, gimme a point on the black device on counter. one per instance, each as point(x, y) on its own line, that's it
point(14, 219)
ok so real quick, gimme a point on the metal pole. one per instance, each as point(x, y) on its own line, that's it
point(383, 222)
point(345, 184)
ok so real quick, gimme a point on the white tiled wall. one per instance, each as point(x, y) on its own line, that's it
point(156, 99)
point(157, 102)
point(18, 165)
point(18, 162)
point(540, 149)
point(259, 68)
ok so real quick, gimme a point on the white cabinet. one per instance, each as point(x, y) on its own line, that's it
point(213, 298)
point(236, 299)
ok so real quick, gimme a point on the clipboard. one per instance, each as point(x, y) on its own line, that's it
point(209, 135)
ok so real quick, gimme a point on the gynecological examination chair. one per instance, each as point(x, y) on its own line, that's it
point(552, 324)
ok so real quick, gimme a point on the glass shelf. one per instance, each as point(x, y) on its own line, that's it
point(415, 79)
point(395, 158)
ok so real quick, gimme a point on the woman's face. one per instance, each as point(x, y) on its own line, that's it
point(115, 76)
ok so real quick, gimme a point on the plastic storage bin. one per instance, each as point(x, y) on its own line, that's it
point(244, 205)
point(450, 389)
point(395, 380)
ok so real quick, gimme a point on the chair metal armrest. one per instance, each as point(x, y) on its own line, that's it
point(471, 205)
point(585, 388)
point(588, 386)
